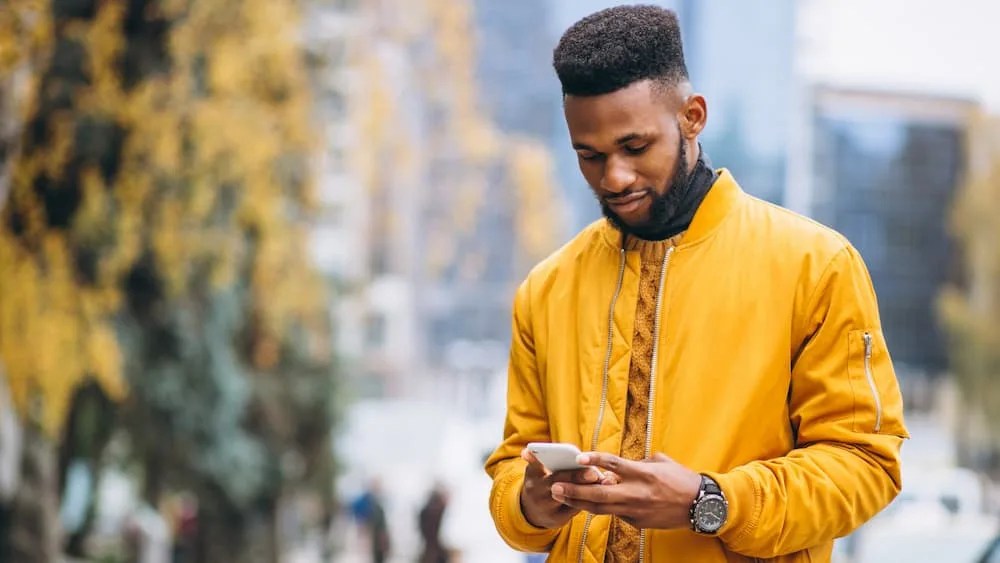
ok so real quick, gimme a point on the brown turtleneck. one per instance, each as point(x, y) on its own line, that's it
point(623, 541)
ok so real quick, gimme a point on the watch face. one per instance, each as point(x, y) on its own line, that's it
point(711, 513)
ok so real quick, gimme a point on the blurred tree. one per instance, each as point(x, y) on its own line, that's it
point(971, 310)
point(458, 209)
point(28, 530)
point(152, 243)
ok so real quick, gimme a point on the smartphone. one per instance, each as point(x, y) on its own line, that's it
point(556, 456)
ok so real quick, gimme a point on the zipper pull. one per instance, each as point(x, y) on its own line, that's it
point(868, 345)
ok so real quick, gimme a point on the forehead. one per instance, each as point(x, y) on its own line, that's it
point(639, 106)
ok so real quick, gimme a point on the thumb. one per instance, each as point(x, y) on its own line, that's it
point(658, 456)
point(534, 468)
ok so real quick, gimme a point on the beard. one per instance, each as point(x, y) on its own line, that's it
point(663, 207)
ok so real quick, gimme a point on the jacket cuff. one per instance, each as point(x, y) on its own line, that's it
point(511, 523)
point(745, 504)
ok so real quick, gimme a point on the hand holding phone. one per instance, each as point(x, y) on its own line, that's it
point(549, 463)
point(556, 456)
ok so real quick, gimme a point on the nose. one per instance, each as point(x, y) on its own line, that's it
point(618, 176)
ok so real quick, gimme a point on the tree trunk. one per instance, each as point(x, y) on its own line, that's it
point(239, 537)
point(34, 533)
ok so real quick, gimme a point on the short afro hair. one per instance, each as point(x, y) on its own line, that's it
point(611, 49)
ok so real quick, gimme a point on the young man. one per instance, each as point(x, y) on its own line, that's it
point(719, 358)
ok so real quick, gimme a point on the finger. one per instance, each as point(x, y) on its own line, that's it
point(610, 478)
point(596, 507)
point(585, 476)
point(566, 492)
point(609, 504)
point(660, 457)
point(622, 467)
point(535, 468)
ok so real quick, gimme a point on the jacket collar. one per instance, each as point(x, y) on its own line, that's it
point(724, 197)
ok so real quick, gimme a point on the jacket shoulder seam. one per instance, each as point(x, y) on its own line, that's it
point(827, 272)
point(803, 218)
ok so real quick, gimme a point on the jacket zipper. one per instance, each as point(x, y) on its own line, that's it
point(871, 382)
point(652, 384)
point(652, 381)
point(604, 384)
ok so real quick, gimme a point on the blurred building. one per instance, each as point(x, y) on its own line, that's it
point(465, 307)
point(429, 129)
point(340, 232)
point(878, 132)
point(740, 56)
point(514, 66)
point(882, 168)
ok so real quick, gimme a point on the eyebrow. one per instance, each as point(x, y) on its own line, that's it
point(619, 141)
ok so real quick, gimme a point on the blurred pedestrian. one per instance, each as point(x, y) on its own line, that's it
point(430, 526)
point(721, 358)
point(369, 511)
point(184, 514)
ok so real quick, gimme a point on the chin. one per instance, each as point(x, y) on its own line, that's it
point(635, 224)
point(638, 223)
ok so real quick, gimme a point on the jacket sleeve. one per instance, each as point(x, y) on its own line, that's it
point(847, 413)
point(526, 422)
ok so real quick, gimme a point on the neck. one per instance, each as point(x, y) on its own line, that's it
point(701, 176)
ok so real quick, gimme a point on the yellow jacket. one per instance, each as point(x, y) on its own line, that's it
point(772, 376)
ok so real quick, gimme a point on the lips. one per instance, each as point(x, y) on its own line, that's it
point(627, 203)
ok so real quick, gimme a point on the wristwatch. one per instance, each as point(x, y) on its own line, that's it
point(709, 509)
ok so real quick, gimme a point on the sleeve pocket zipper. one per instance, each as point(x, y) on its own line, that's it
point(871, 381)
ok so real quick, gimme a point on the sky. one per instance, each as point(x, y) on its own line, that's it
point(926, 46)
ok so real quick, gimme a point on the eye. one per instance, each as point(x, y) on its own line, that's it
point(587, 155)
point(635, 150)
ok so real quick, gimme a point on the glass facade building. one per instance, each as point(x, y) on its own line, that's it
point(885, 168)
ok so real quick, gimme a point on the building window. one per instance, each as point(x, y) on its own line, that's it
point(375, 329)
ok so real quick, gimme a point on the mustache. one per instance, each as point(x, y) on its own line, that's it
point(623, 195)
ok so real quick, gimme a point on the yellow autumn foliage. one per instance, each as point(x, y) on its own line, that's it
point(25, 30)
point(972, 311)
point(203, 182)
point(53, 333)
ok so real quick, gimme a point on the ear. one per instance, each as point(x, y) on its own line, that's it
point(693, 116)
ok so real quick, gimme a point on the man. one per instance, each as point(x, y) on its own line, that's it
point(369, 511)
point(721, 358)
point(429, 523)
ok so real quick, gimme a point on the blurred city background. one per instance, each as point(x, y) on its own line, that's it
point(257, 256)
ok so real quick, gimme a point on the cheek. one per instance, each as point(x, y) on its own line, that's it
point(657, 169)
point(592, 172)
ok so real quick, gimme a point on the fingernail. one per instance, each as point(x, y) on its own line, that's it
point(583, 459)
point(557, 490)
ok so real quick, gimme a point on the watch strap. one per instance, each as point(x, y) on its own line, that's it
point(709, 486)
